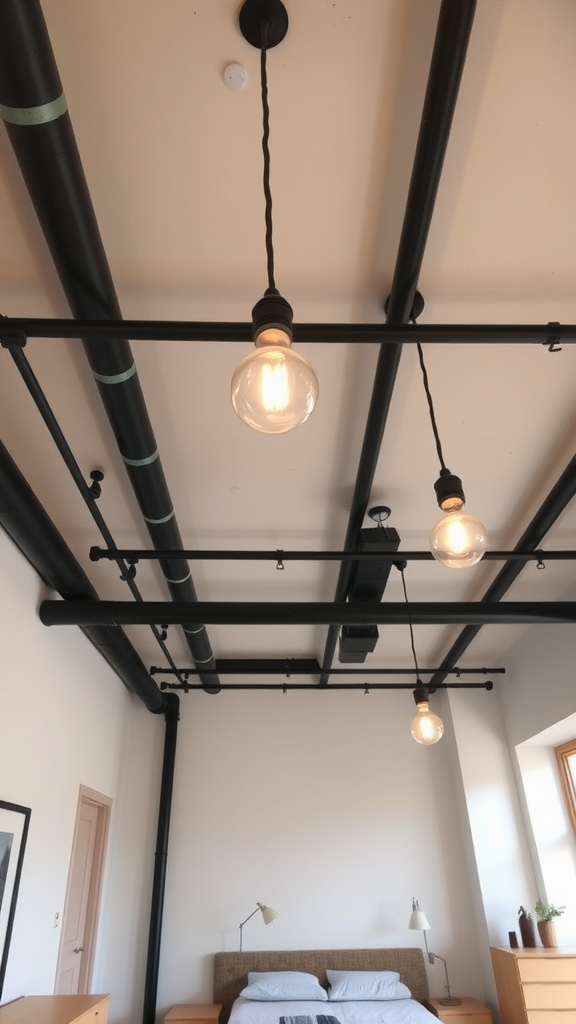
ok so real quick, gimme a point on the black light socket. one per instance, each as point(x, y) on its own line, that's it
point(420, 693)
point(449, 491)
point(272, 310)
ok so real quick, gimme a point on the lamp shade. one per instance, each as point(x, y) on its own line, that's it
point(418, 920)
point(268, 914)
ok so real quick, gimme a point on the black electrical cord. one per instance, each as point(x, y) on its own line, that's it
point(401, 571)
point(266, 153)
point(430, 405)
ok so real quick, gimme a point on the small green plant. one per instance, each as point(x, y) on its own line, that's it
point(524, 913)
point(547, 911)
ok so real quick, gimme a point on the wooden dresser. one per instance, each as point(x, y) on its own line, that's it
point(536, 986)
point(56, 1010)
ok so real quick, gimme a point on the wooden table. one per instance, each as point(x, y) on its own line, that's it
point(468, 1011)
point(199, 1013)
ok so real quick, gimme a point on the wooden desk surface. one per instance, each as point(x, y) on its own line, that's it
point(48, 1009)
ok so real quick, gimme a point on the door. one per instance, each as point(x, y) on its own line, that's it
point(78, 938)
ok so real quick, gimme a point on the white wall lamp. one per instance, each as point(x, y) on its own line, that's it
point(274, 389)
point(419, 922)
point(268, 916)
point(426, 727)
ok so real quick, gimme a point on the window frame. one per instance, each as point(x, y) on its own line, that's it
point(564, 753)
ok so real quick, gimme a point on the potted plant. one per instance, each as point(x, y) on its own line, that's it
point(546, 912)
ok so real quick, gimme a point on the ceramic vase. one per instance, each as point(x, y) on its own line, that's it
point(547, 933)
point(527, 931)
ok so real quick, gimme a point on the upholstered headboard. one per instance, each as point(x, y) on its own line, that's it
point(231, 969)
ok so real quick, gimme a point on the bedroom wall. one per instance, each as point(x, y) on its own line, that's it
point(323, 807)
point(65, 721)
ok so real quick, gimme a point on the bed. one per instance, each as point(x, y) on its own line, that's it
point(231, 976)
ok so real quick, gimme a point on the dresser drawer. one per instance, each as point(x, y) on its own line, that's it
point(550, 1017)
point(561, 968)
point(551, 997)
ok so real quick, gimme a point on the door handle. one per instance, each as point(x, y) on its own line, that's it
point(79, 949)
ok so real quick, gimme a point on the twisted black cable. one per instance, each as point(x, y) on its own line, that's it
point(266, 153)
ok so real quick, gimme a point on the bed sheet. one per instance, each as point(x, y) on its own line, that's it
point(391, 1011)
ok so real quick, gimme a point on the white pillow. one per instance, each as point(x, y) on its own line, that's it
point(276, 985)
point(360, 985)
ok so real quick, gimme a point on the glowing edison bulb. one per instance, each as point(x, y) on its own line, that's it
point(275, 394)
point(426, 727)
point(458, 540)
point(274, 389)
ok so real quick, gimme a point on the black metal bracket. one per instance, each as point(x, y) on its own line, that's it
point(95, 488)
point(552, 342)
point(11, 337)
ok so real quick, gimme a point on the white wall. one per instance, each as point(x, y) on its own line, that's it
point(65, 721)
point(323, 807)
point(538, 689)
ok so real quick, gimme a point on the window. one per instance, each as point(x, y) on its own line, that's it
point(566, 757)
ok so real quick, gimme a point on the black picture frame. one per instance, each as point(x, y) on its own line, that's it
point(14, 822)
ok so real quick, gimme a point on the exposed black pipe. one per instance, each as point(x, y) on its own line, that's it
point(551, 508)
point(35, 113)
point(21, 328)
point(279, 555)
point(366, 687)
point(172, 713)
point(447, 63)
point(28, 524)
point(43, 406)
point(75, 613)
point(294, 667)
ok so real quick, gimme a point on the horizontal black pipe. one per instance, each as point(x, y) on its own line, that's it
point(366, 687)
point(17, 329)
point(281, 668)
point(278, 555)
point(114, 613)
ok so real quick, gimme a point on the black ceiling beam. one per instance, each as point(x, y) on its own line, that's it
point(15, 331)
point(134, 613)
point(279, 555)
point(447, 63)
point(38, 126)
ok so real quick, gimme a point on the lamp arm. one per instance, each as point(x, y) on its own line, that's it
point(241, 925)
point(434, 956)
point(249, 916)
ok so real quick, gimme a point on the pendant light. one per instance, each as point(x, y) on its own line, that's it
point(458, 540)
point(426, 727)
point(274, 389)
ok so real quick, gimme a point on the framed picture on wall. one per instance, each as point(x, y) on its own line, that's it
point(14, 821)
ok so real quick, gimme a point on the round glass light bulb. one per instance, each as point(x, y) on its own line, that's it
point(274, 389)
point(458, 540)
point(426, 727)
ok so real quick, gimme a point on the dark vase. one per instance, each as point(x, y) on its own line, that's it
point(527, 931)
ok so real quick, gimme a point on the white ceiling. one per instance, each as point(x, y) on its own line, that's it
point(173, 161)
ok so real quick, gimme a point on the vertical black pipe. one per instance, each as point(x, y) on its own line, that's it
point(446, 66)
point(160, 861)
point(553, 505)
